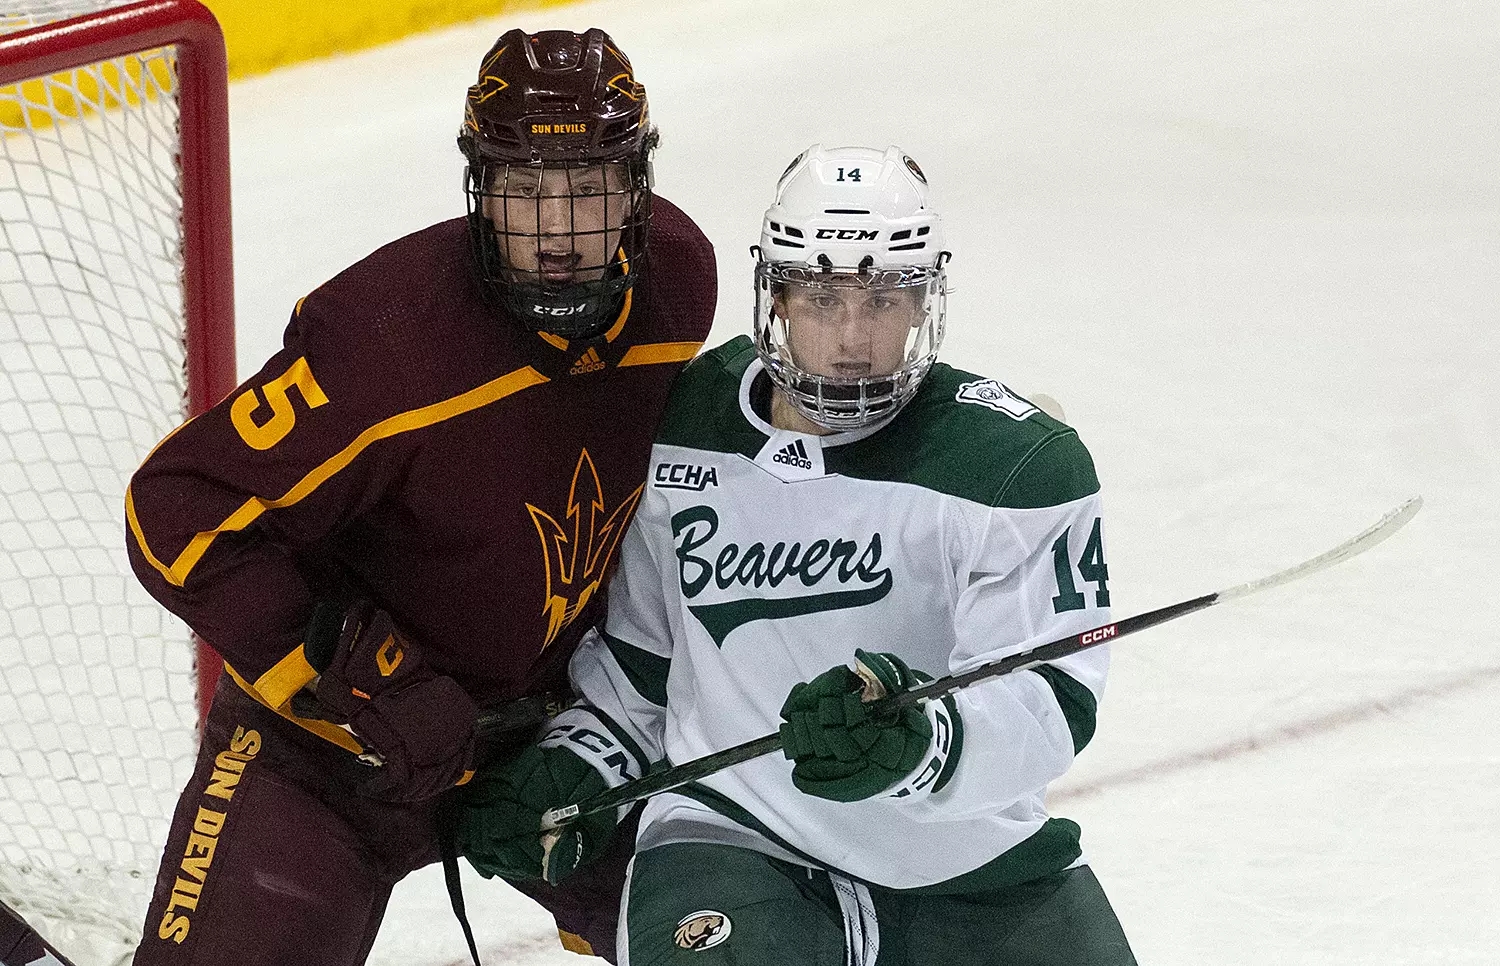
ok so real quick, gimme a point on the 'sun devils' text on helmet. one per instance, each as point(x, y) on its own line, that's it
point(558, 140)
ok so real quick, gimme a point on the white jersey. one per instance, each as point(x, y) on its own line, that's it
point(964, 530)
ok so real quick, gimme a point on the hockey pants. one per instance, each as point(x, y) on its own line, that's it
point(713, 905)
point(274, 859)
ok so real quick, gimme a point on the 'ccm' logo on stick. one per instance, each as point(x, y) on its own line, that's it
point(1098, 634)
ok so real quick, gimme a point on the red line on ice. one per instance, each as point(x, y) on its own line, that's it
point(1283, 735)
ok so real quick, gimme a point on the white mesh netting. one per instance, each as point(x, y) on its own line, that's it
point(97, 716)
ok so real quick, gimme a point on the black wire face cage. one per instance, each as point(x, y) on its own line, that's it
point(559, 246)
point(848, 402)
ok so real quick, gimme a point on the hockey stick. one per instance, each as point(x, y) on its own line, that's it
point(527, 713)
point(657, 782)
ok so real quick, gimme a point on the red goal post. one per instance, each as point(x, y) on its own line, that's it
point(203, 164)
point(116, 324)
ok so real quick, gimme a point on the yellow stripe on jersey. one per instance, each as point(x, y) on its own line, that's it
point(558, 342)
point(494, 390)
point(285, 678)
point(575, 943)
point(326, 730)
point(659, 352)
point(140, 538)
point(135, 526)
point(619, 325)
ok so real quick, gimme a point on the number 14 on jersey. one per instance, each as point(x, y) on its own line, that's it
point(1091, 568)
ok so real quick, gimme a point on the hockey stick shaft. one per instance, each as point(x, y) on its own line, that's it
point(679, 775)
point(529, 712)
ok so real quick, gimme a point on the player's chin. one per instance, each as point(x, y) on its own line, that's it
point(541, 277)
point(578, 276)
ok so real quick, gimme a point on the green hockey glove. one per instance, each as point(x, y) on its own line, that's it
point(842, 751)
point(500, 821)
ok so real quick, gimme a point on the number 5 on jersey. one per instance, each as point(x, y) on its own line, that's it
point(283, 415)
point(1091, 567)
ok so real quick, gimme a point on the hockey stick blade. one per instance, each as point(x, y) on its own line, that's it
point(667, 779)
point(1355, 545)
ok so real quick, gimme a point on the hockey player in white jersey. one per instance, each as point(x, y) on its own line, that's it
point(821, 496)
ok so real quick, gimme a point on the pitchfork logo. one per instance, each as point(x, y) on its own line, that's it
point(490, 82)
point(577, 552)
point(628, 85)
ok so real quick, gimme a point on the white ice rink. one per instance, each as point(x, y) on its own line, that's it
point(1254, 249)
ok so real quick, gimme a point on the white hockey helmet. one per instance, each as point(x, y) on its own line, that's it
point(850, 219)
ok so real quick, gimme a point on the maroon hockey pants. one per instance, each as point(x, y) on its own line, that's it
point(274, 858)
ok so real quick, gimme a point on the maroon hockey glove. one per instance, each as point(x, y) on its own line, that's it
point(417, 726)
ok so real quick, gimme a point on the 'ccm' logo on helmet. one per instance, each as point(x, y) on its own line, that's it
point(559, 310)
point(848, 234)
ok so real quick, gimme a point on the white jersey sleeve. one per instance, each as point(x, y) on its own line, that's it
point(1020, 732)
point(620, 673)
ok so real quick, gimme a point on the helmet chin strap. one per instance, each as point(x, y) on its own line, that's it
point(576, 311)
point(581, 311)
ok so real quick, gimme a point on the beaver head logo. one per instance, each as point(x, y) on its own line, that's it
point(702, 930)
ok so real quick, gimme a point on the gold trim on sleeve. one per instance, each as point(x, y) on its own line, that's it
point(659, 352)
point(574, 943)
point(496, 389)
point(285, 678)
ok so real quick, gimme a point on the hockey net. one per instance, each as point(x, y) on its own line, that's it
point(113, 326)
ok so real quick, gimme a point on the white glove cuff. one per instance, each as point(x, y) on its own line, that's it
point(942, 759)
point(590, 735)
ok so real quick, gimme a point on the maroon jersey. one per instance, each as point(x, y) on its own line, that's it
point(411, 444)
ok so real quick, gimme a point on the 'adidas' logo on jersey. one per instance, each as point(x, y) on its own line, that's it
point(588, 362)
point(793, 454)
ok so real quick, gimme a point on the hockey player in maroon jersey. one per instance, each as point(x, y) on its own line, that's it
point(410, 514)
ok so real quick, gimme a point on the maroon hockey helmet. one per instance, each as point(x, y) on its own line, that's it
point(555, 96)
point(558, 138)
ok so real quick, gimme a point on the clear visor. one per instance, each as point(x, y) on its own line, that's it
point(846, 348)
